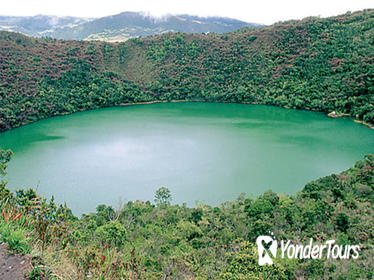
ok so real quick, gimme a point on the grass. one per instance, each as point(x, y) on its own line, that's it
point(29, 229)
point(13, 228)
point(16, 238)
point(25, 233)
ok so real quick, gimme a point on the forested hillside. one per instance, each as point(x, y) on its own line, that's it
point(315, 64)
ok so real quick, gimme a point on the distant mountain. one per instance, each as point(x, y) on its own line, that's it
point(118, 27)
point(39, 25)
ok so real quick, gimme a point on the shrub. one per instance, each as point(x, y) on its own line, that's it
point(113, 233)
point(342, 222)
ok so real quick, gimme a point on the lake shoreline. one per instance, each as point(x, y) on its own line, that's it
point(362, 122)
point(330, 115)
point(336, 115)
point(154, 102)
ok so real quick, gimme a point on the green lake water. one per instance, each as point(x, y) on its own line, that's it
point(201, 151)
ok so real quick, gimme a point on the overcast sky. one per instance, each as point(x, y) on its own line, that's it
point(259, 11)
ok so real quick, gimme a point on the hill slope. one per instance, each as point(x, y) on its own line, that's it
point(316, 64)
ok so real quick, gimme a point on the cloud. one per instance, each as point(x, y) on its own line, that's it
point(265, 11)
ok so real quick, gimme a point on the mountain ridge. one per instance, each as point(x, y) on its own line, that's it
point(315, 64)
point(119, 27)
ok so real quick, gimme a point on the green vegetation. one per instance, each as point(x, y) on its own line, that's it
point(315, 64)
point(141, 240)
point(163, 196)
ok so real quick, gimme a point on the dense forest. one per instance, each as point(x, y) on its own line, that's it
point(314, 64)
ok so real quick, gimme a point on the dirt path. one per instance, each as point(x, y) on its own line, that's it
point(13, 267)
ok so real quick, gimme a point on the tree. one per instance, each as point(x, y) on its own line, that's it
point(242, 264)
point(163, 196)
point(5, 157)
point(113, 233)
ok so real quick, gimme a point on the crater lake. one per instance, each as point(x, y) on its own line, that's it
point(205, 152)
